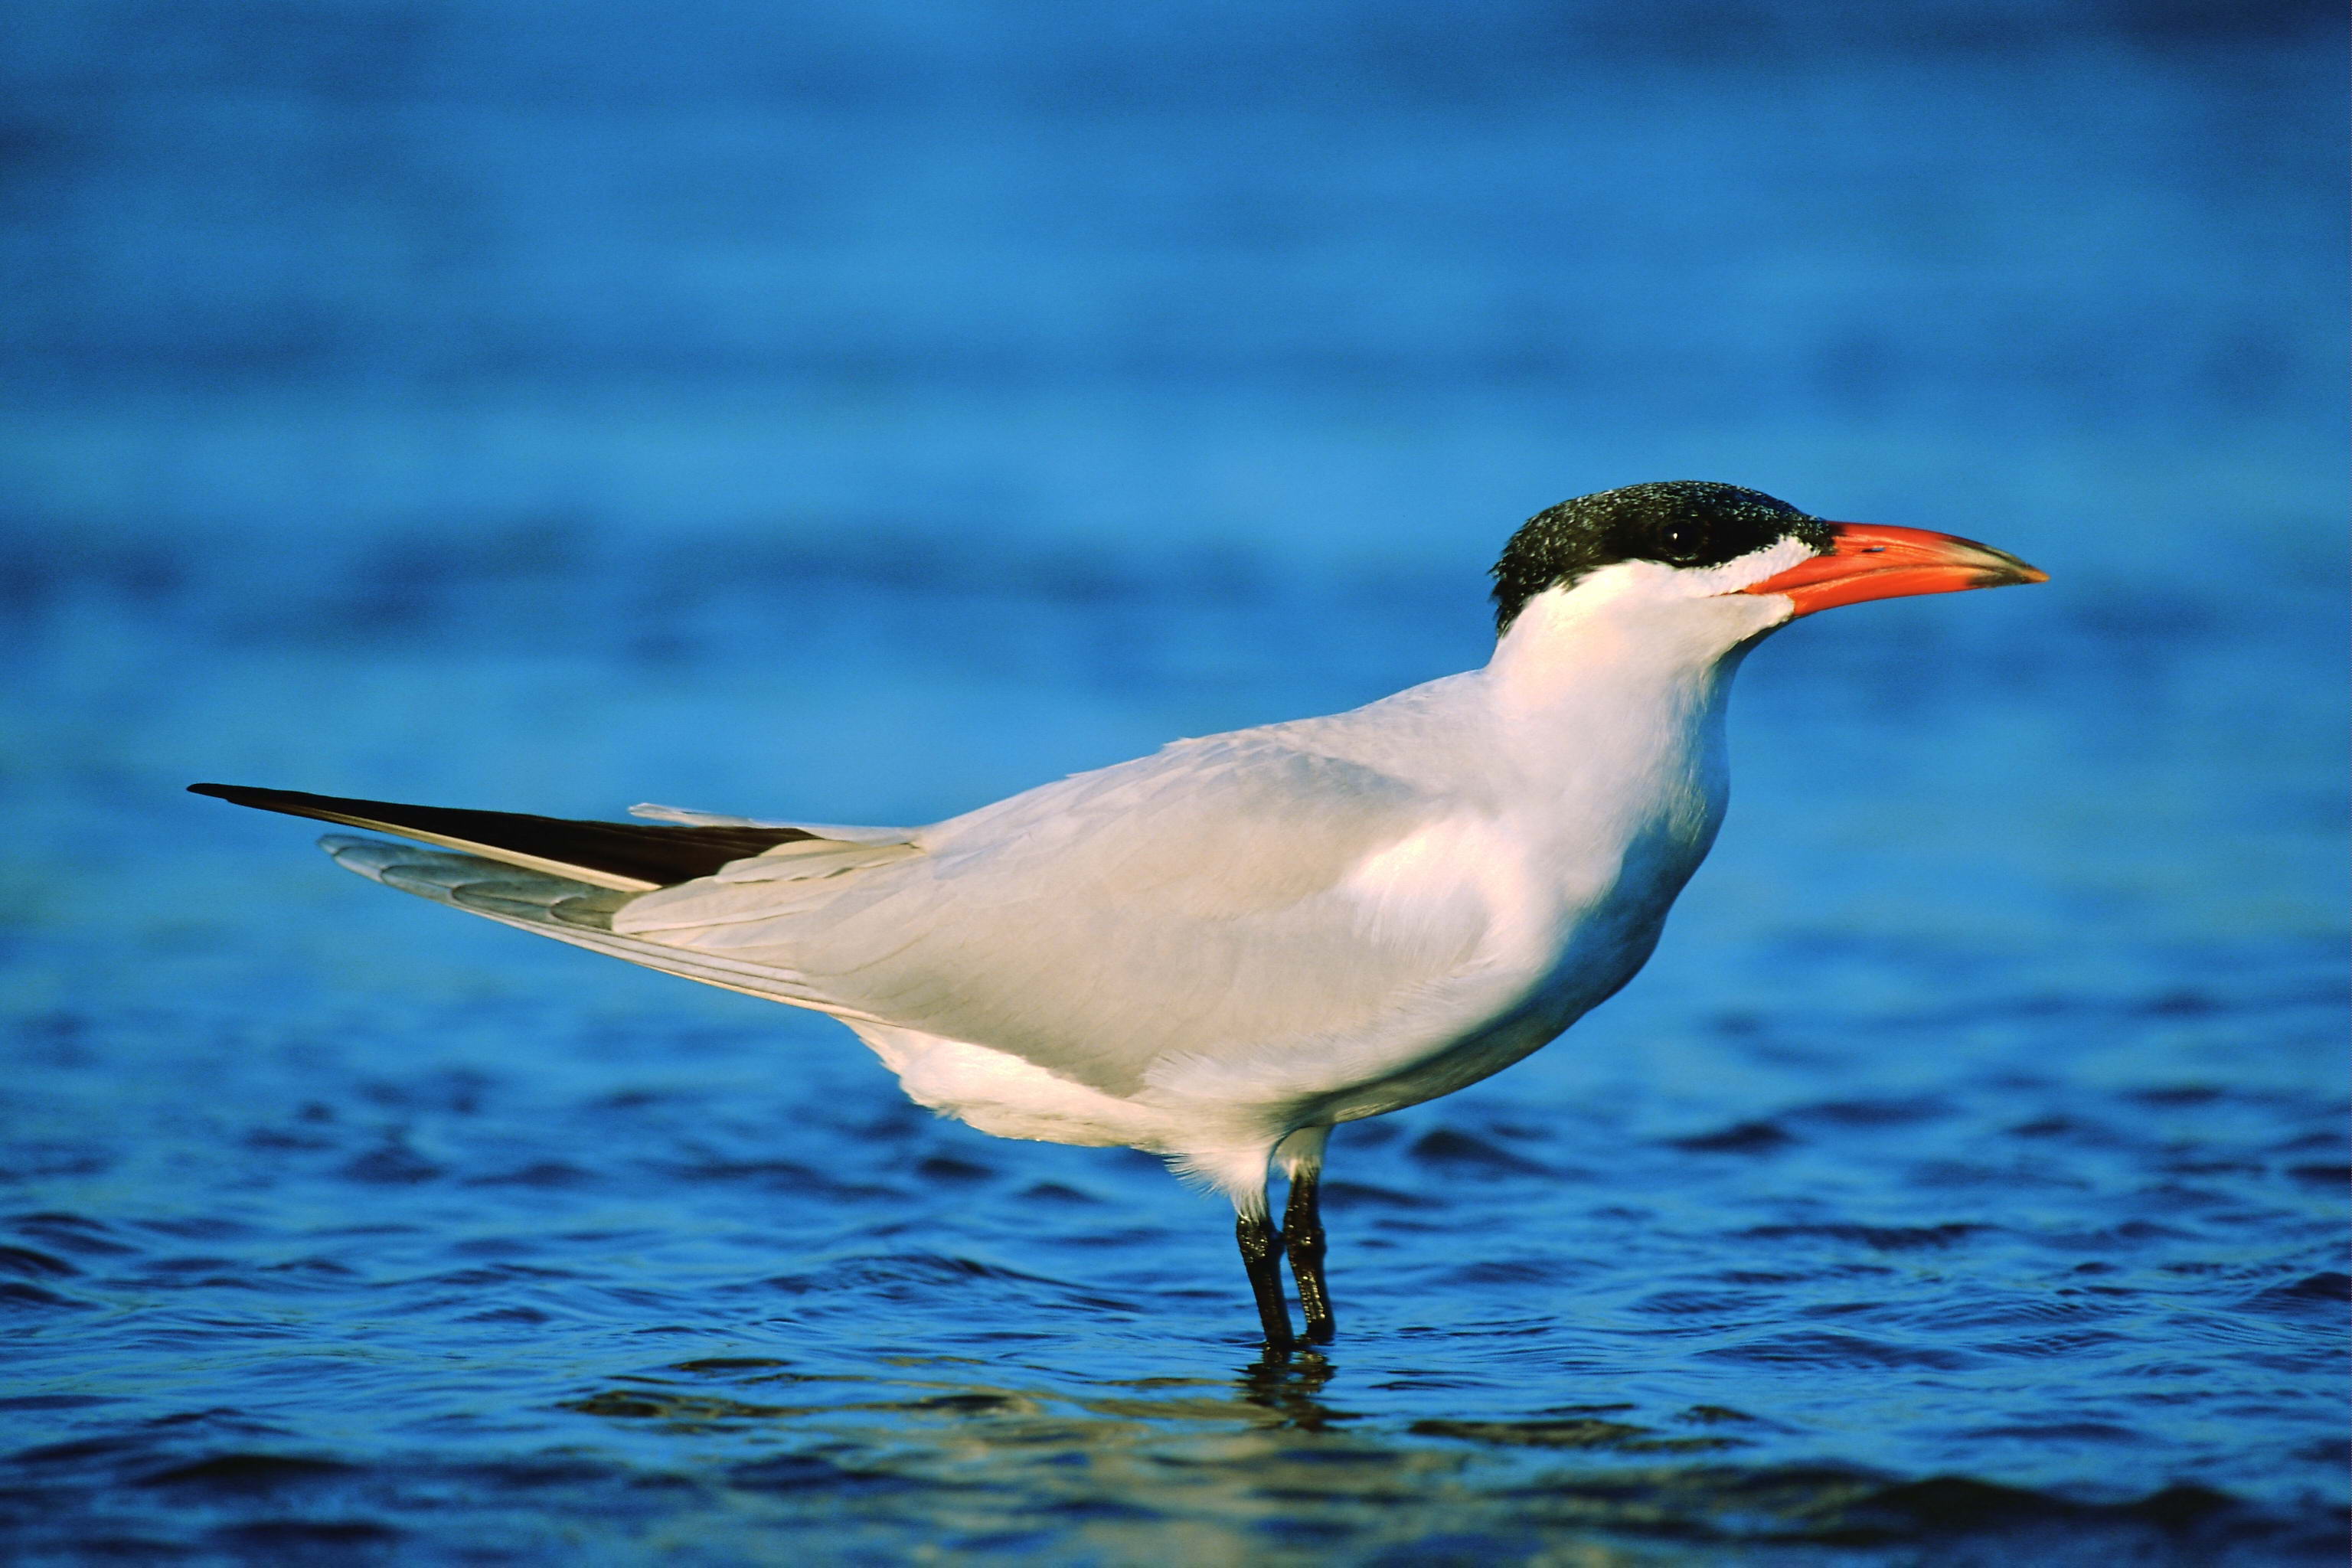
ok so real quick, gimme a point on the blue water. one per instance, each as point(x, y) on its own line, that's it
point(805, 414)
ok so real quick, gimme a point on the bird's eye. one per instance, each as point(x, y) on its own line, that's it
point(1677, 541)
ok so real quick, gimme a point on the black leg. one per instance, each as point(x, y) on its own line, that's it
point(1302, 1236)
point(1262, 1256)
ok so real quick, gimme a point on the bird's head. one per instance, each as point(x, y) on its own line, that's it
point(1702, 563)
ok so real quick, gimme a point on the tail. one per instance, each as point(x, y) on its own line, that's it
point(626, 856)
point(562, 907)
point(564, 879)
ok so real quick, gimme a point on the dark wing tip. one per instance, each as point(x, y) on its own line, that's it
point(648, 855)
point(250, 794)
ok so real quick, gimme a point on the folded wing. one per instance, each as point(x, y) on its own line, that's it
point(1205, 904)
point(1223, 906)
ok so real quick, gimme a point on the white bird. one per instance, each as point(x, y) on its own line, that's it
point(1218, 952)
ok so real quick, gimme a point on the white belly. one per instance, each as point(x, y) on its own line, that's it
point(1601, 947)
point(1509, 1012)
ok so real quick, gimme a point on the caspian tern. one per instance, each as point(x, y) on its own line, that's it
point(1220, 952)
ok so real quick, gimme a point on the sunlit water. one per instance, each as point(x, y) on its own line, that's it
point(1963, 1183)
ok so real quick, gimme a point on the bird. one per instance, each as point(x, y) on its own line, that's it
point(1220, 952)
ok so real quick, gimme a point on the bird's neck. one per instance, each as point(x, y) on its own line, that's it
point(1583, 653)
point(1612, 705)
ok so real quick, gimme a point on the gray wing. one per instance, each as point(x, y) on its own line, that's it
point(1207, 902)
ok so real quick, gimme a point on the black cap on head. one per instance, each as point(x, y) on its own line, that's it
point(1678, 522)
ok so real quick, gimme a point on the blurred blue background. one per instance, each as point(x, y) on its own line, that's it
point(859, 413)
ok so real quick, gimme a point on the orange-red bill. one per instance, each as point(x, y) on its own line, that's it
point(1874, 561)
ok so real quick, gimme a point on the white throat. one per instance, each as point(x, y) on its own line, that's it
point(1637, 631)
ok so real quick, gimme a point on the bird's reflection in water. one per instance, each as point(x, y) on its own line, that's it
point(1286, 1382)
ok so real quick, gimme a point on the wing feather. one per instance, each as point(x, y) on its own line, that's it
point(569, 911)
point(623, 855)
point(1198, 901)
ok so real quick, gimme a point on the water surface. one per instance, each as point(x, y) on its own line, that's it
point(1930, 1198)
point(801, 411)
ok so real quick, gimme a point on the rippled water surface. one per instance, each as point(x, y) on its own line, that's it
point(838, 412)
point(1933, 1197)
